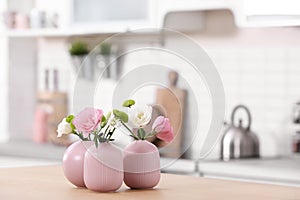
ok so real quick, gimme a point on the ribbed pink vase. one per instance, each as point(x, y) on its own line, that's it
point(73, 161)
point(103, 168)
point(141, 165)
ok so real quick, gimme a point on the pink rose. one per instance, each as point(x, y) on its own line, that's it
point(87, 120)
point(163, 128)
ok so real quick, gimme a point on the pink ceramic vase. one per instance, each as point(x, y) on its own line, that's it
point(103, 168)
point(73, 162)
point(141, 165)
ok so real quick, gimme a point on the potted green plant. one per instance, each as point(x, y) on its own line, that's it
point(104, 61)
point(79, 48)
point(83, 64)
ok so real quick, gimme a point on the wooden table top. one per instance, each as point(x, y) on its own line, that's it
point(48, 182)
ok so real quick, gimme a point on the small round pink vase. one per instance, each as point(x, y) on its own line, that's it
point(141, 165)
point(103, 168)
point(73, 161)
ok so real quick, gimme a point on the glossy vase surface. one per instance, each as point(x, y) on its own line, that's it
point(73, 162)
point(141, 165)
point(103, 168)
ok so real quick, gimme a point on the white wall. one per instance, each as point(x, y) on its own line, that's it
point(3, 79)
point(4, 89)
point(259, 68)
point(265, 79)
point(22, 87)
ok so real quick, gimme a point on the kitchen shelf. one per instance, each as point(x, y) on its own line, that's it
point(32, 33)
point(57, 32)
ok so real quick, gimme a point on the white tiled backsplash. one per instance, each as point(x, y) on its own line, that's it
point(267, 80)
point(264, 76)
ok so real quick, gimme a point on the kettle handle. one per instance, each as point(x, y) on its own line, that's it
point(247, 111)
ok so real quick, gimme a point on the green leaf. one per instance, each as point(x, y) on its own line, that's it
point(103, 121)
point(128, 103)
point(141, 134)
point(103, 118)
point(121, 115)
point(108, 115)
point(70, 118)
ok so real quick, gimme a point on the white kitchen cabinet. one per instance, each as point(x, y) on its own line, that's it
point(169, 6)
point(124, 15)
point(266, 13)
point(90, 17)
point(247, 13)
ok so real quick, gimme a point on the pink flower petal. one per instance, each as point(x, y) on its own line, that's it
point(166, 136)
point(87, 120)
point(163, 127)
point(158, 123)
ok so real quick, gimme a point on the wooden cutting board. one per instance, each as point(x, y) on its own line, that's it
point(172, 101)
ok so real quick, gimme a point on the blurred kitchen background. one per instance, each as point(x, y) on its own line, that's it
point(254, 44)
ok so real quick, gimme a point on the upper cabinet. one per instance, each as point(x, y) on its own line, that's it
point(247, 13)
point(83, 17)
point(113, 14)
point(266, 13)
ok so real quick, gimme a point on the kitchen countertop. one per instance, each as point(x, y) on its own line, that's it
point(280, 170)
point(29, 149)
point(12, 161)
point(285, 170)
point(49, 183)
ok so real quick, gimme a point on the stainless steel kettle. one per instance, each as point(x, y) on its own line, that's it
point(237, 141)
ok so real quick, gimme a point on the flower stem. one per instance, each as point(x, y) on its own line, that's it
point(131, 133)
point(105, 132)
point(111, 133)
point(81, 136)
point(153, 133)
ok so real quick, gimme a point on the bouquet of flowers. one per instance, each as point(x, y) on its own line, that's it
point(92, 125)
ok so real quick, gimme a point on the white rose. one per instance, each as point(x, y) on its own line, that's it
point(140, 116)
point(63, 128)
